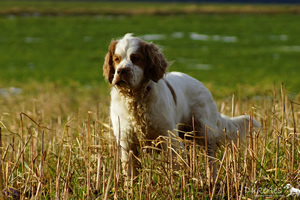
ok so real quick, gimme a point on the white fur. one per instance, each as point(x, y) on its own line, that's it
point(165, 110)
point(125, 47)
point(192, 97)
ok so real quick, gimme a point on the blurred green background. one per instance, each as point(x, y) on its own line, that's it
point(227, 47)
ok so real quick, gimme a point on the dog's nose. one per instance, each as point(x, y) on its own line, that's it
point(123, 70)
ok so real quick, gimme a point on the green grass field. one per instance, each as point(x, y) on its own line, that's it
point(260, 51)
point(55, 137)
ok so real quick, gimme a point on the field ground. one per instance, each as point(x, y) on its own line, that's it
point(55, 136)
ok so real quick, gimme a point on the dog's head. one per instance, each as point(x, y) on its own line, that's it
point(131, 61)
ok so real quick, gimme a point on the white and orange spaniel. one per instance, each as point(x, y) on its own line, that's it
point(147, 102)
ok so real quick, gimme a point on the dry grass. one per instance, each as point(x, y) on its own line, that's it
point(58, 145)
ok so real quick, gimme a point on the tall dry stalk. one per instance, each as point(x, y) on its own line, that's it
point(57, 185)
point(98, 179)
point(43, 157)
point(88, 182)
point(1, 166)
point(293, 146)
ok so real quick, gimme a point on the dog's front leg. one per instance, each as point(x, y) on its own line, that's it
point(130, 164)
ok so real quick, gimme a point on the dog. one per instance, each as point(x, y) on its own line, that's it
point(147, 101)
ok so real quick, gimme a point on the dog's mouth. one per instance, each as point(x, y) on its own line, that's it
point(121, 83)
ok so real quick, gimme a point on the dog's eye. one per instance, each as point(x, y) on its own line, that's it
point(116, 59)
point(134, 58)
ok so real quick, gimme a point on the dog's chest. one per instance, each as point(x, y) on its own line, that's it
point(139, 116)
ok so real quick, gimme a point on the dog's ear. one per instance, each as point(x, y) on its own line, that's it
point(156, 62)
point(108, 66)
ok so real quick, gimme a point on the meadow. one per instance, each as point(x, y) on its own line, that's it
point(56, 141)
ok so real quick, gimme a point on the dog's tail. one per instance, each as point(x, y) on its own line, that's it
point(238, 127)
